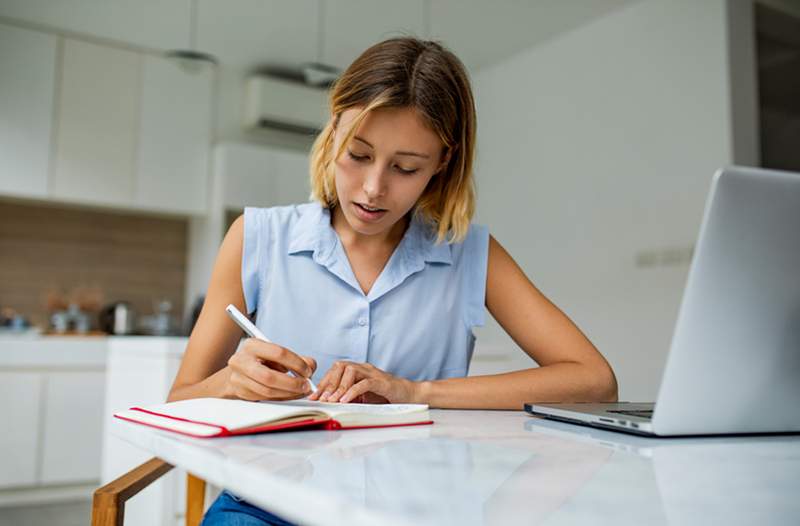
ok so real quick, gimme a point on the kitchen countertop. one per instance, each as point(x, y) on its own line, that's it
point(79, 351)
point(53, 351)
point(149, 345)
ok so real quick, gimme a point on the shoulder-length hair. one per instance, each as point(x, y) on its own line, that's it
point(423, 75)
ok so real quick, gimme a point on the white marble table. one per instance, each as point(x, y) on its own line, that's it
point(497, 468)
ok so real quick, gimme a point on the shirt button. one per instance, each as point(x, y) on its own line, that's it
point(362, 321)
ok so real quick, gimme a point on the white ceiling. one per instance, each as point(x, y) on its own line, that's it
point(256, 33)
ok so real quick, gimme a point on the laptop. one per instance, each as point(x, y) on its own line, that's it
point(734, 362)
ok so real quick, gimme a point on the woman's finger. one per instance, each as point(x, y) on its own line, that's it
point(351, 373)
point(360, 388)
point(321, 385)
point(336, 372)
point(275, 379)
point(274, 365)
point(243, 393)
point(249, 389)
point(246, 364)
point(270, 352)
point(312, 363)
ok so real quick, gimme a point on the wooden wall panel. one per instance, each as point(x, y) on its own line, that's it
point(136, 258)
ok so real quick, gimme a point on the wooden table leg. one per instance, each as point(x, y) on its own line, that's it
point(108, 505)
point(195, 497)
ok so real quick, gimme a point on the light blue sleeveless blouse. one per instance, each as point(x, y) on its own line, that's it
point(416, 322)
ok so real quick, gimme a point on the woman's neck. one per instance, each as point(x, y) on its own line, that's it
point(387, 240)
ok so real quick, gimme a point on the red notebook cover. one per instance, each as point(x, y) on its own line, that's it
point(309, 424)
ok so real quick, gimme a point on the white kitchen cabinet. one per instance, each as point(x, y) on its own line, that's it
point(152, 24)
point(259, 176)
point(73, 426)
point(51, 396)
point(20, 400)
point(243, 176)
point(174, 135)
point(27, 80)
point(97, 124)
point(129, 129)
point(140, 372)
point(290, 172)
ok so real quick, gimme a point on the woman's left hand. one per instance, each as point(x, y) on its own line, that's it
point(363, 383)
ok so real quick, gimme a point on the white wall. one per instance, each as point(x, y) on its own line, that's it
point(597, 148)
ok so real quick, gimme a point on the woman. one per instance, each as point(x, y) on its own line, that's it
point(379, 281)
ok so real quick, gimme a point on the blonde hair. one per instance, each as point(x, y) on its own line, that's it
point(423, 75)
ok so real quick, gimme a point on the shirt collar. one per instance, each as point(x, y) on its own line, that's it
point(310, 229)
point(422, 243)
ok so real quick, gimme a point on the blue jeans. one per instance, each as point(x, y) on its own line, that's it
point(230, 510)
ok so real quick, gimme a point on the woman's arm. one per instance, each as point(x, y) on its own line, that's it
point(210, 368)
point(570, 367)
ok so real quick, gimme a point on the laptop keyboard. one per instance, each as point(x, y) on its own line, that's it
point(643, 413)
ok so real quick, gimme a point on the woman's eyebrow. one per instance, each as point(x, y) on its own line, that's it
point(414, 154)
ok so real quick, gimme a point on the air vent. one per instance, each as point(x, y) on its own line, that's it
point(285, 105)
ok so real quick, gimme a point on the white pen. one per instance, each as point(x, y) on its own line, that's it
point(248, 327)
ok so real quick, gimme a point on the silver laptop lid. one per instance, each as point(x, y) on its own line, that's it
point(734, 362)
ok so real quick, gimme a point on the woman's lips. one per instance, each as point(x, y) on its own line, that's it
point(366, 215)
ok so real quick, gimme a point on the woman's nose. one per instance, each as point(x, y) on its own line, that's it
point(375, 182)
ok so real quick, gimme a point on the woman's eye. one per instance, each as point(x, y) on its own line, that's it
point(357, 157)
point(363, 158)
point(406, 172)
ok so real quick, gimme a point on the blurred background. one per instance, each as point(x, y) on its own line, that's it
point(132, 133)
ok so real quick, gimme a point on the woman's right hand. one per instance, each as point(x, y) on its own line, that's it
point(258, 372)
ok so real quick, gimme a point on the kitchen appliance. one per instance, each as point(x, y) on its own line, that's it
point(71, 320)
point(161, 322)
point(118, 318)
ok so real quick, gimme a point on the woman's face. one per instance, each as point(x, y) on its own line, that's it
point(385, 168)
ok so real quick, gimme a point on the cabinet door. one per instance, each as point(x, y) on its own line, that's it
point(290, 172)
point(73, 427)
point(140, 373)
point(259, 176)
point(27, 80)
point(174, 136)
point(97, 124)
point(19, 398)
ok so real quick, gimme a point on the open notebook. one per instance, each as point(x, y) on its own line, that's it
point(217, 417)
